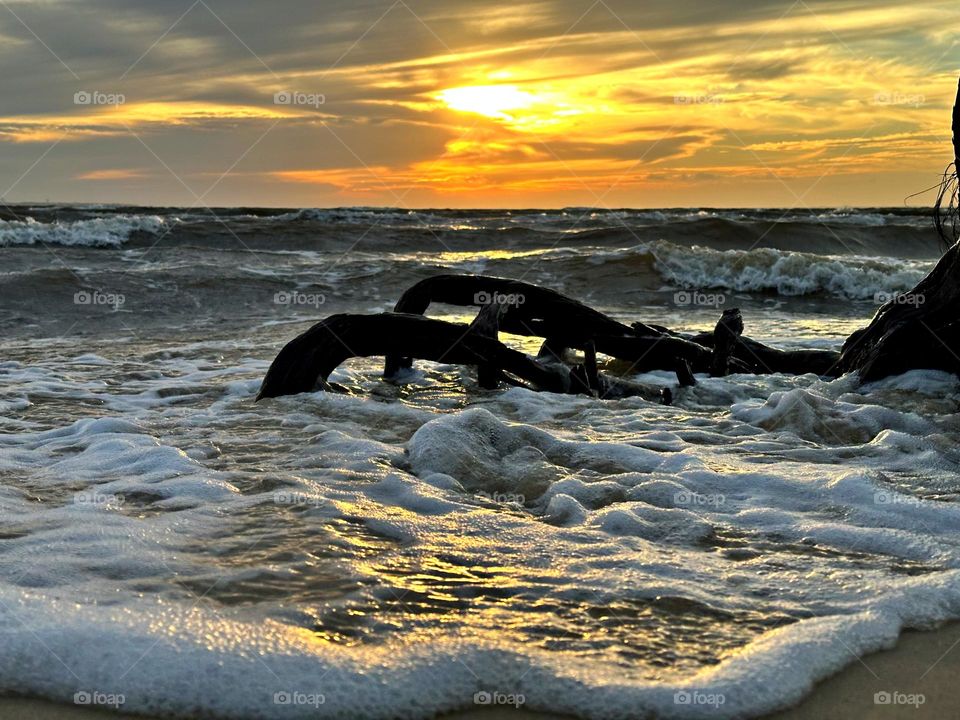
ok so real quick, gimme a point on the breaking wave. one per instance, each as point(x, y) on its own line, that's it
point(108, 231)
point(784, 272)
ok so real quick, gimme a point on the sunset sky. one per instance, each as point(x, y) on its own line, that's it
point(415, 103)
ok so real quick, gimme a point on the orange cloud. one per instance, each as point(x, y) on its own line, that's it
point(113, 174)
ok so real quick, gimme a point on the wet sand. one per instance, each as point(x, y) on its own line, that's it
point(922, 663)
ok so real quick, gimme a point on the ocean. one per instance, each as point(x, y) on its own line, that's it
point(171, 547)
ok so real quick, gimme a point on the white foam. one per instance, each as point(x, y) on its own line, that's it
point(483, 453)
point(804, 498)
point(155, 656)
point(815, 416)
point(787, 273)
point(107, 231)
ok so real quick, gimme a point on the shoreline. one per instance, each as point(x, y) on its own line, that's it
point(923, 664)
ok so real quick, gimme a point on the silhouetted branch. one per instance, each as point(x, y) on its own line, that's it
point(305, 363)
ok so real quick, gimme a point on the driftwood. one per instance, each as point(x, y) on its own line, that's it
point(539, 312)
point(919, 329)
point(568, 323)
point(563, 322)
point(305, 363)
point(762, 359)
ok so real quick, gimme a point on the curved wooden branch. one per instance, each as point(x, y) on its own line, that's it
point(555, 314)
point(762, 359)
point(568, 323)
point(305, 363)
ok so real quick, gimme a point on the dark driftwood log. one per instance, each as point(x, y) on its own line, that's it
point(556, 315)
point(762, 359)
point(568, 323)
point(946, 203)
point(729, 346)
point(726, 335)
point(530, 310)
point(921, 328)
point(956, 131)
point(305, 363)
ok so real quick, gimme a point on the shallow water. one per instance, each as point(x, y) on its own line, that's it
point(399, 549)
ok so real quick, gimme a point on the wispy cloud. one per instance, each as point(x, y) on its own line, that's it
point(550, 103)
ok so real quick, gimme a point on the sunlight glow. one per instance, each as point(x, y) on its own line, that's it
point(489, 100)
point(553, 120)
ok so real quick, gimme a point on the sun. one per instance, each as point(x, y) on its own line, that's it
point(494, 101)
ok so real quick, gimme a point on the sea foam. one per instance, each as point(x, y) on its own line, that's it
point(107, 231)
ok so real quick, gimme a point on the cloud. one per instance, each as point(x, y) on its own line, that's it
point(113, 174)
point(688, 87)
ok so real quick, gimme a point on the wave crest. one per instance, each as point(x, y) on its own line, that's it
point(785, 272)
point(108, 231)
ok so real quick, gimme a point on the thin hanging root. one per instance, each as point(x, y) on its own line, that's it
point(946, 211)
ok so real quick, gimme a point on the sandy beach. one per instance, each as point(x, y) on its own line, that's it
point(922, 665)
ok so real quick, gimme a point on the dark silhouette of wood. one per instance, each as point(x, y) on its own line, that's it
point(566, 323)
point(530, 310)
point(305, 363)
point(945, 209)
point(685, 374)
point(916, 330)
point(726, 335)
point(487, 324)
point(761, 359)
